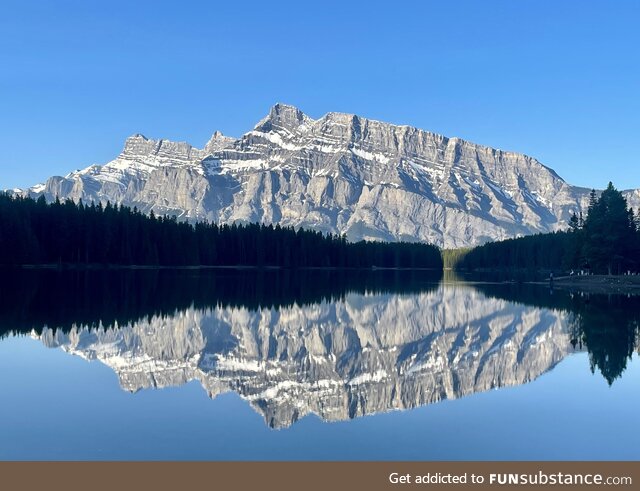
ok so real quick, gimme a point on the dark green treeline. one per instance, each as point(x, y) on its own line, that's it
point(36, 232)
point(606, 241)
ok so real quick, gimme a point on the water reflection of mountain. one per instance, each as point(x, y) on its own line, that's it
point(336, 344)
point(355, 355)
point(607, 326)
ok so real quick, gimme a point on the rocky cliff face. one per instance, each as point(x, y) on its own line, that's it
point(342, 174)
point(361, 355)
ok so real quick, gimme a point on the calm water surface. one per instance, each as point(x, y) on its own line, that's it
point(142, 365)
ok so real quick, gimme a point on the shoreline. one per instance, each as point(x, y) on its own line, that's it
point(598, 284)
point(239, 267)
point(617, 284)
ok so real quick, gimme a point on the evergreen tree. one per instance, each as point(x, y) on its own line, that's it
point(73, 233)
point(606, 241)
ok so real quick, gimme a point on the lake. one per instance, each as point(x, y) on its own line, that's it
point(315, 365)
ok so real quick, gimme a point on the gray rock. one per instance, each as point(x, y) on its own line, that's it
point(342, 174)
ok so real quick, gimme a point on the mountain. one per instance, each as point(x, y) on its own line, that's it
point(341, 174)
point(359, 355)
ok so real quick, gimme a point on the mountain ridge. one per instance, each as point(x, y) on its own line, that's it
point(341, 173)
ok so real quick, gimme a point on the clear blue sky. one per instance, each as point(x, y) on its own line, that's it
point(558, 80)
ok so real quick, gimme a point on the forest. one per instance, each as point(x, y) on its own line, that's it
point(605, 241)
point(69, 233)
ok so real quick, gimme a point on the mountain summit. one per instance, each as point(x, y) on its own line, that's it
point(342, 174)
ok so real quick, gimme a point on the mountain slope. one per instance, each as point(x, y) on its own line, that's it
point(340, 173)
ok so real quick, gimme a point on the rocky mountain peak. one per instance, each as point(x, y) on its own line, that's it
point(282, 116)
point(136, 144)
point(218, 142)
point(140, 146)
point(341, 173)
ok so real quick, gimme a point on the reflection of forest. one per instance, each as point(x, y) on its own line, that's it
point(60, 299)
point(607, 326)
